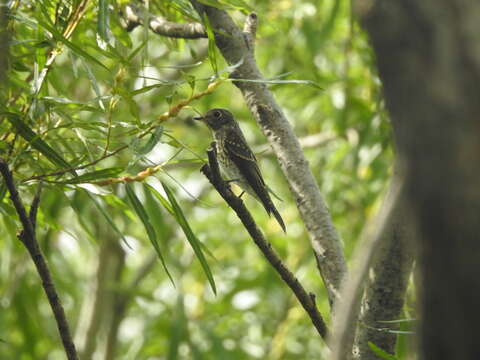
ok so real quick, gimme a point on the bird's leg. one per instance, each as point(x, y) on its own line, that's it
point(232, 180)
point(240, 196)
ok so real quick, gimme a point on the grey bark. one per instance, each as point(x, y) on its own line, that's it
point(368, 250)
point(134, 16)
point(235, 48)
point(428, 55)
point(386, 285)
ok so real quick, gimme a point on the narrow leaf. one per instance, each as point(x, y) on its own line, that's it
point(34, 140)
point(212, 54)
point(142, 214)
point(69, 44)
point(103, 26)
point(94, 175)
point(107, 217)
point(380, 352)
point(150, 144)
point(192, 239)
point(161, 199)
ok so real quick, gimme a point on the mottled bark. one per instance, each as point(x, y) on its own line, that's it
point(386, 285)
point(135, 16)
point(369, 252)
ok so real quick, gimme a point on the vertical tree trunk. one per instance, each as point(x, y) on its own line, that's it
point(387, 283)
point(428, 55)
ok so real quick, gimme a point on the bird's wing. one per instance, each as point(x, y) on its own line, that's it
point(238, 150)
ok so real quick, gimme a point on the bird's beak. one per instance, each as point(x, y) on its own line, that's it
point(198, 118)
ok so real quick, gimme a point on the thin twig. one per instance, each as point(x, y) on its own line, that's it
point(212, 172)
point(28, 238)
point(34, 207)
point(172, 112)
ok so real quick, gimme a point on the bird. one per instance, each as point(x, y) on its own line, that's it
point(237, 161)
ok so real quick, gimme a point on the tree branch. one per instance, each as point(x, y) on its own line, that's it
point(28, 238)
point(324, 239)
point(349, 308)
point(212, 172)
point(133, 17)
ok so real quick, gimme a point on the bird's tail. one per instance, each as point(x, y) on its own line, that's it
point(267, 203)
point(277, 216)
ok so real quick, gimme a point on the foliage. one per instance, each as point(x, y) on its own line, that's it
point(83, 101)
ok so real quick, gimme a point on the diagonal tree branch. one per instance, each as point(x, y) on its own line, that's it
point(134, 17)
point(307, 300)
point(236, 49)
point(28, 238)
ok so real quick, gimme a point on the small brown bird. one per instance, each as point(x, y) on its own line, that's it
point(237, 162)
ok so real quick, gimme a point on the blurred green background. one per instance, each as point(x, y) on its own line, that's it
point(107, 86)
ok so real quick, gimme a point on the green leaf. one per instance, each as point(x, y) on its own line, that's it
point(216, 4)
point(68, 43)
point(3, 191)
point(107, 217)
point(281, 82)
point(136, 51)
point(161, 199)
point(34, 140)
point(240, 5)
point(380, 352)
point(150, 144)
point(95, 175)
point(103, 26)
point(192, 239)
point(142, 214)
point(212, 49)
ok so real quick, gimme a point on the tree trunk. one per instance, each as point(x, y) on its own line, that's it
point(428, 55)
point(387, 284)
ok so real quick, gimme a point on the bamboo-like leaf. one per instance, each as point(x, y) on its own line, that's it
point(216, 4)
point(94, 175)
point(281, 82)
point(135, 51)
point(34, 140)
point(192, 239)
point(240, 5)
point(161, 199)
point(68, 43)
point(143, 215)
point(212, 49)
point(380, 352)
point(150, 144)
point(107, 217)
point(103, 26)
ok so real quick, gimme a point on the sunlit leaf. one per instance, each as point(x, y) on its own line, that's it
point(160, 198)
point(192, 239)
point(34, 140)
point(103, 26)
point(94, 176)
point(142, 214)
point(212, 49)
point(107, 217)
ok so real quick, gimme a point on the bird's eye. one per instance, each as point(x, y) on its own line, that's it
point(217, 114)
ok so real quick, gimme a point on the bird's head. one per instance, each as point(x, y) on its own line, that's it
point(216, 119)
